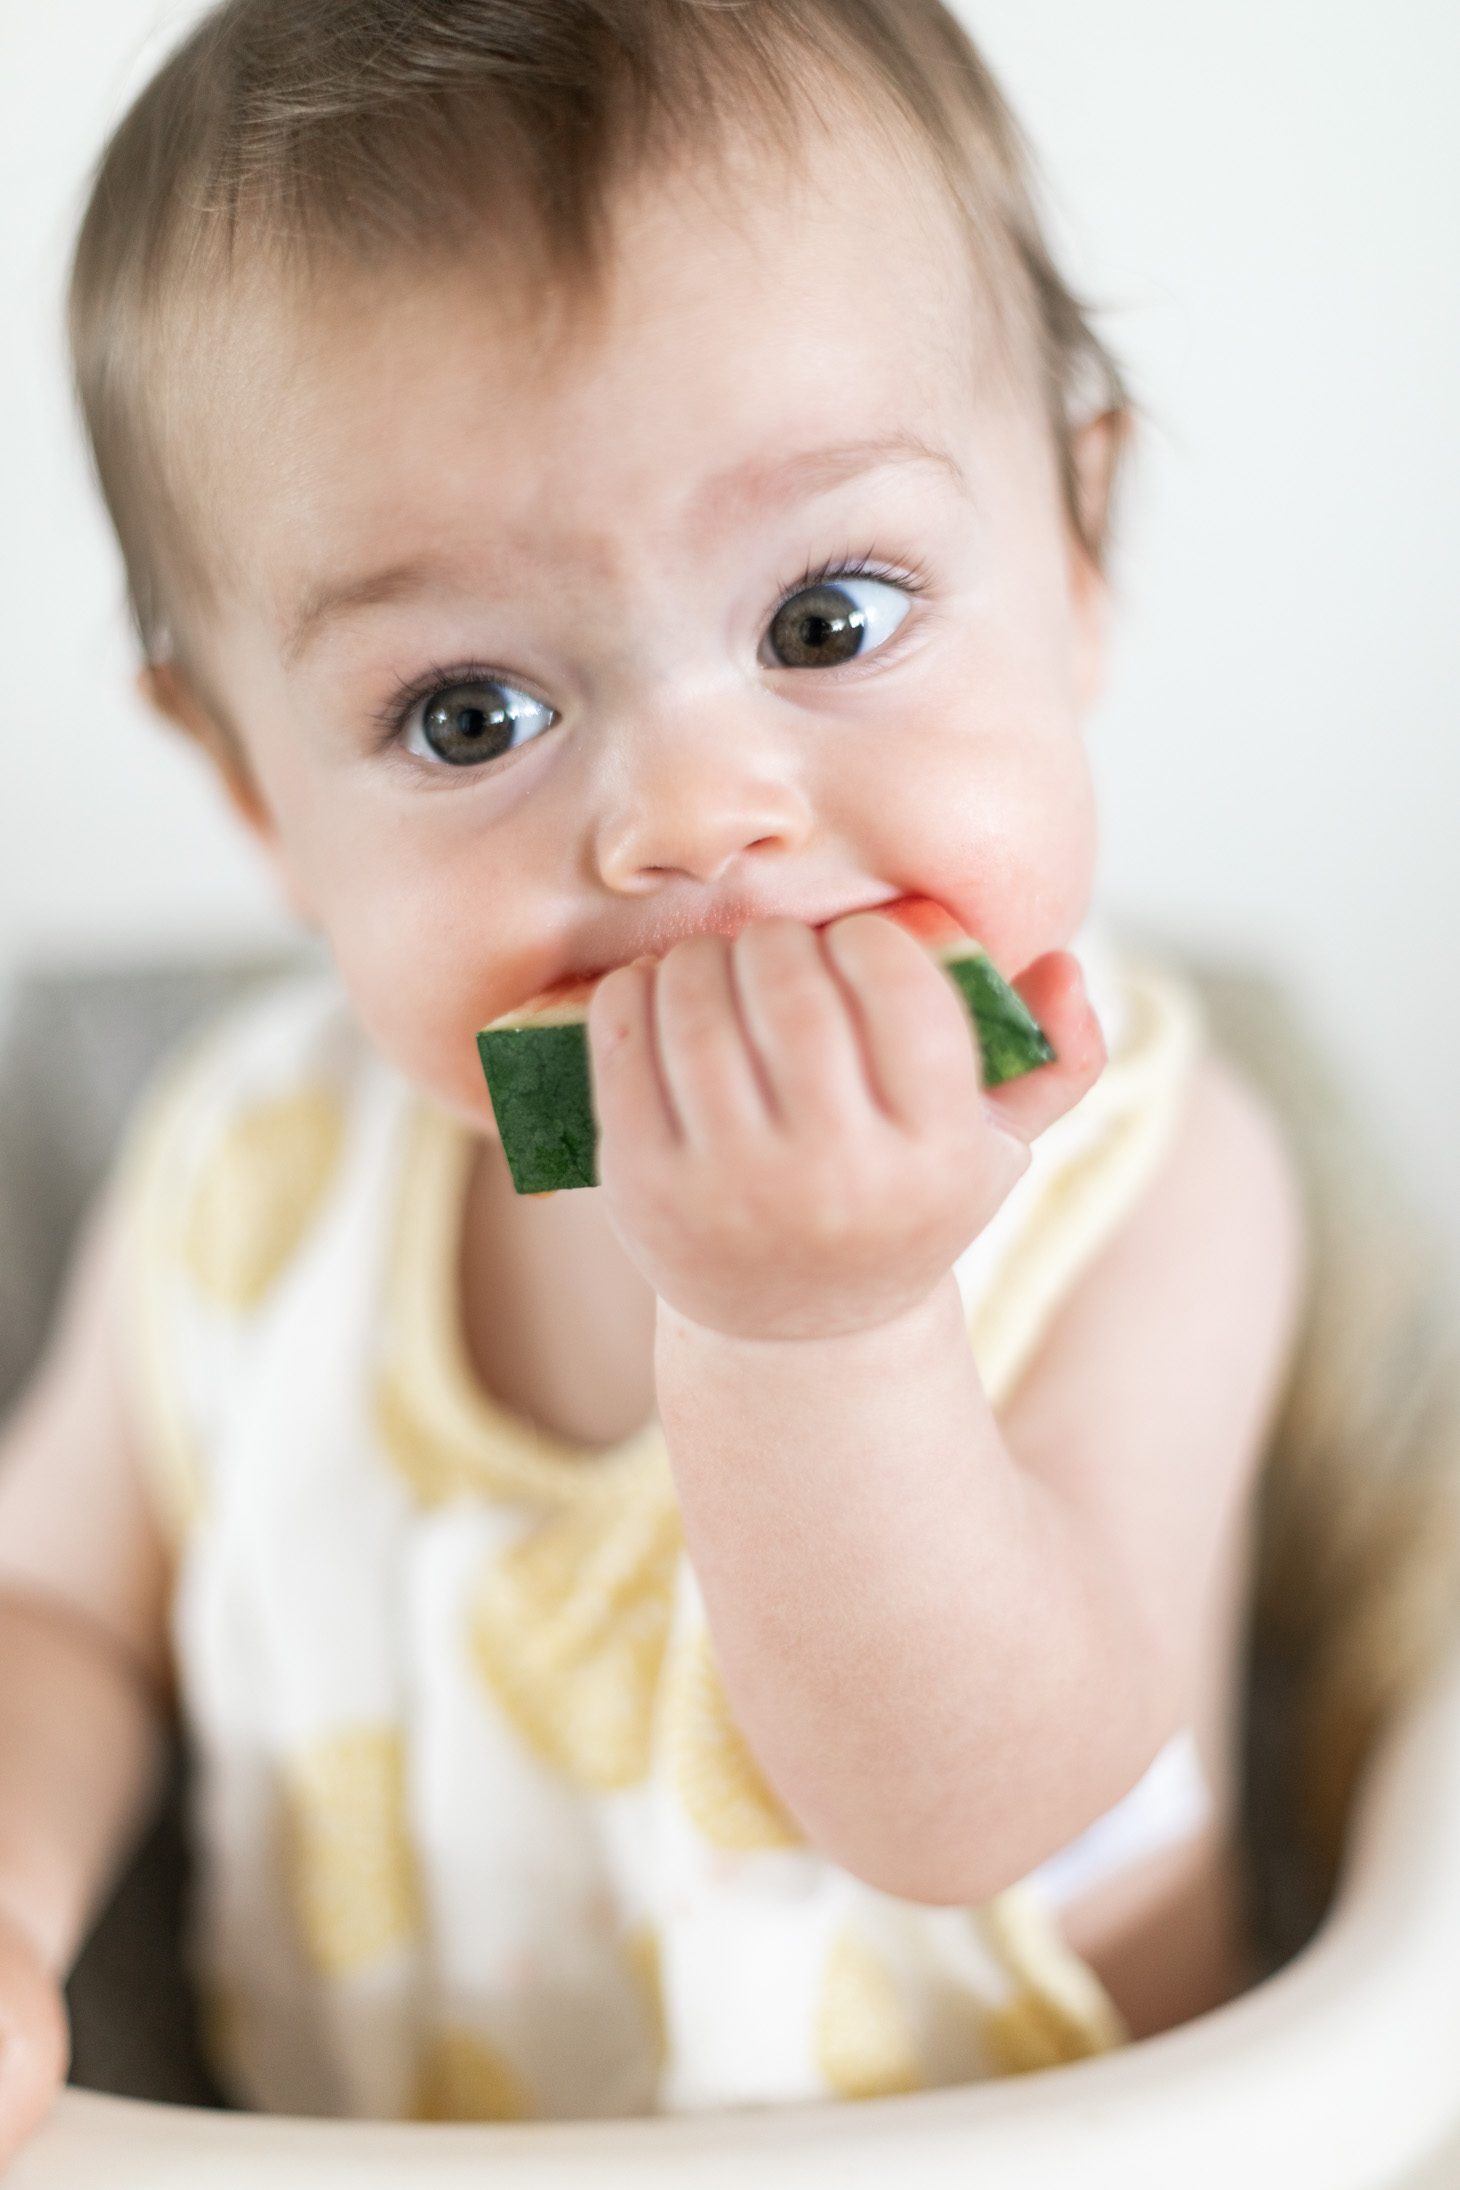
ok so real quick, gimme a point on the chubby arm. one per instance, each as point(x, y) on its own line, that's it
point(954, 1643)
point(85, 1680)
point(951, 1642)
point(932, 1666)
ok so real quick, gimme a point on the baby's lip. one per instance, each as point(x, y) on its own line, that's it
point(730, 925)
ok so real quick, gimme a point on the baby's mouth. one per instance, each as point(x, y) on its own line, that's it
point(729, 924)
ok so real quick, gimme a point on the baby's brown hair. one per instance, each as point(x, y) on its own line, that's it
point(307, 135)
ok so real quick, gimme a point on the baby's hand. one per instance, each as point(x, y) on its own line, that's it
point(35, 2041)
point(794, 1137)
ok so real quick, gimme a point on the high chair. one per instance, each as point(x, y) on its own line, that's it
point(1338, 2070)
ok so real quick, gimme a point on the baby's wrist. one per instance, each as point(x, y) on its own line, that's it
point(822, 1335)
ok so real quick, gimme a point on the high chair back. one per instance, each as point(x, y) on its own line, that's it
point(1356, 1595)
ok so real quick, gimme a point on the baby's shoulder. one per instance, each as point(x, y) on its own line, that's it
point(1176, 1337)
point(282, 1043)
point(243, 1126)
point(1233, 1146)
point(1221, 1185)
point(275, 1024)
point(1219, 1238)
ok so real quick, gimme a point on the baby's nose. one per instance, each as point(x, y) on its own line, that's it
point(688, 796)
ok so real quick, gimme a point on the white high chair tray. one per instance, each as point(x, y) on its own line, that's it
point(1341, 2072)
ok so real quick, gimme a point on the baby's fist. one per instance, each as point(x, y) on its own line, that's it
point(795, 1142)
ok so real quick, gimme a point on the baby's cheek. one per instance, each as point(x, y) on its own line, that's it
point(420, 1009)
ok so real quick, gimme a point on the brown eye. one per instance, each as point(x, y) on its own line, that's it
point(478, 720)
point(835, 621)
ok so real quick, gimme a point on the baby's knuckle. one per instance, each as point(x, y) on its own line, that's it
point(693, 1040)
point(804, 1009)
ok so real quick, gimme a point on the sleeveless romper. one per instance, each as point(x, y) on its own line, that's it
point(475, 1835)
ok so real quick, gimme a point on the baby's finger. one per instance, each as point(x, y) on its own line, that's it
point(712, 1074)
point(630, 1101)
point(1054, 990)
point(921, 1049)
point(796, 1011)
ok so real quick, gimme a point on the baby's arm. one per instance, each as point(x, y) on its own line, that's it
point(85, 1681)
point(951, 1643)
point(954, 1642)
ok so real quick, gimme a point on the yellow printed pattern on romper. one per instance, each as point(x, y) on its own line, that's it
point(719, 1781)
point(435, 1471)
point(146, 1171)
point(1022, 2037)
point(645, 1962)
point(568, 1628)
point(1058, 2011)
point(464, 2079)
point(351, 1867)
point(257, 1193)
point(863, 2039)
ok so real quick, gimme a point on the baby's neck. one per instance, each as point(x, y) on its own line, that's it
point(558, 1323)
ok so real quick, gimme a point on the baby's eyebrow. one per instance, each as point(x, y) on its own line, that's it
point(329, 599)
point(725, 498)
point(765, 481)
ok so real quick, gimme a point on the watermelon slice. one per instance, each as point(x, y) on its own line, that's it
point(536, 1057)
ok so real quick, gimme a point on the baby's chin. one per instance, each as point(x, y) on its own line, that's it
point(436, 1055)
point(460, 1090)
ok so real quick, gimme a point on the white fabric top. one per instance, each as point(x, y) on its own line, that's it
point(476, 1836)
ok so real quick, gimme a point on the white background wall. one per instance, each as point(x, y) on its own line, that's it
point(1266, 198)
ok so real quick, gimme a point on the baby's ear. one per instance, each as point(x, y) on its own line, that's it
point(167, 691)
point(1096, 450)
point(1097, 447)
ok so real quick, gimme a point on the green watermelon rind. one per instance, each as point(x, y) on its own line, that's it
point(538, 1076)
point(538, 1080)
point(1010, 1039)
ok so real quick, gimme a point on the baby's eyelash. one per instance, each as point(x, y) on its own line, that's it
point(912, 577)
point(390, 719)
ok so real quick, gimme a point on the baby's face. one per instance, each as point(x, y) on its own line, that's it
point(584, 566)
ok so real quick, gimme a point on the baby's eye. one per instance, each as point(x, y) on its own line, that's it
point(835, 620)
point(474, 720)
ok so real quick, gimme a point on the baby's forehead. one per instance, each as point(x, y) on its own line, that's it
point(831, 306)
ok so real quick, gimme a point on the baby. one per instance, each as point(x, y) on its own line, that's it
point(620, 488)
